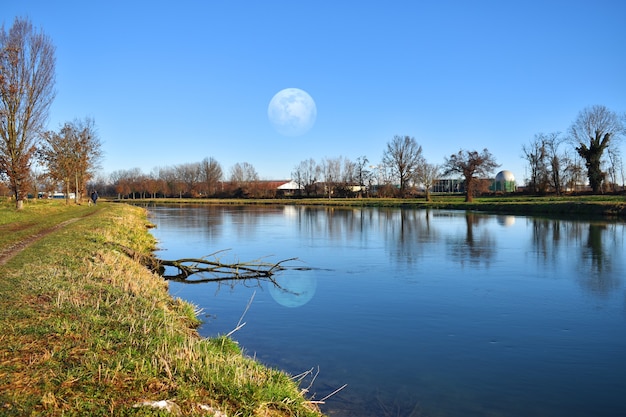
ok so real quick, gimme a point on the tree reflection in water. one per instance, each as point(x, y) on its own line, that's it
point(477, 246)
point(599, 243)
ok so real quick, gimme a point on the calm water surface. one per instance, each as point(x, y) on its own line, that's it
point(429, 313)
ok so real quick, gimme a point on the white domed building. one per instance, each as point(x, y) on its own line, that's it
point(505, 182)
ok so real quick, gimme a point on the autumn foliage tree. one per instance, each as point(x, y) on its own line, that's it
point(72, 155)
point(27, 78)
point(471, 165)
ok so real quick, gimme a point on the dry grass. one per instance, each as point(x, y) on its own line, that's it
point(85, 330)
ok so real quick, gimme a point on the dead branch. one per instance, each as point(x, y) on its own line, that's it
point(210, 268)
point(215, 270)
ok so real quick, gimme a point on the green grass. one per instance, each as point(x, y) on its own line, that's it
point(85, 330)
point(36, 216)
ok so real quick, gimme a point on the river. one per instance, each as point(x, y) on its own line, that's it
point(419, 312)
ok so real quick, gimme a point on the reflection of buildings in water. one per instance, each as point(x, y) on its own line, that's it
point(290, 211)
point(505, 221)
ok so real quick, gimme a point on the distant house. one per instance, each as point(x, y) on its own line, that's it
point(289, 188)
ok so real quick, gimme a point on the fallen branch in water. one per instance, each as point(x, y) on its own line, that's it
point(210, 268)
point(221, 271)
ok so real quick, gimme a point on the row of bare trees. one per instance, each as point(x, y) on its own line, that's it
point(560, 163)
point(68, 157)
point(197, 179)
point(403, 170)
point(556, 165)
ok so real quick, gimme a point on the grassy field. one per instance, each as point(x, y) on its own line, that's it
point(86, 330)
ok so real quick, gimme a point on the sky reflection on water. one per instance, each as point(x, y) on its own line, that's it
point(457, 314)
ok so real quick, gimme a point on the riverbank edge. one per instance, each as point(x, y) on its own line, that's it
point(86, 330)
point(593, 206)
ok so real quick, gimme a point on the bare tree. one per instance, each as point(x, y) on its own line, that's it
point(591, 133)
point(426, 175)
point(331, 171)
point(549, 164)
point(27, 77)
point(306, 174)
point(574, 174)
point(471, 165)
point(242, 174)
point(189, 175)
point(616, 167)
point(557, 160)
point(362, 175)
point(536, 155)
point(211, 174)
point(403, 156)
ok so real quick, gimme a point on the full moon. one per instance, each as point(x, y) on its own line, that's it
point(292, 112)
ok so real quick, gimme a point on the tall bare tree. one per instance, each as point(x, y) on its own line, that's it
point(536, 154)
point(557, 161)
point(403, 156)
point(471, 165)
point(548, 163)
point(243, 173)
point(27, 77)
point(211, 174)
point(591, 133)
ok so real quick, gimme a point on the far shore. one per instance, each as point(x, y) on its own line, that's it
point(611, 206)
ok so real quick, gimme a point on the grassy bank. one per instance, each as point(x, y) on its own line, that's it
point(85, 330)
point(607, 206)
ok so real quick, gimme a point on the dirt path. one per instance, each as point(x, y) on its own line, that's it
point(12, 250)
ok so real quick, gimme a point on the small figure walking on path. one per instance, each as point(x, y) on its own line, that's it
point(94, 196)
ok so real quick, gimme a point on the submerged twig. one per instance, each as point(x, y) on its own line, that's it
point(239, 323)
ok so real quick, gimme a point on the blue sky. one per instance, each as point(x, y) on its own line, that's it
point(174, 82)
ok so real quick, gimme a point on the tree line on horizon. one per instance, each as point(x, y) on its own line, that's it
point(70, 157)
point(557, 163)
